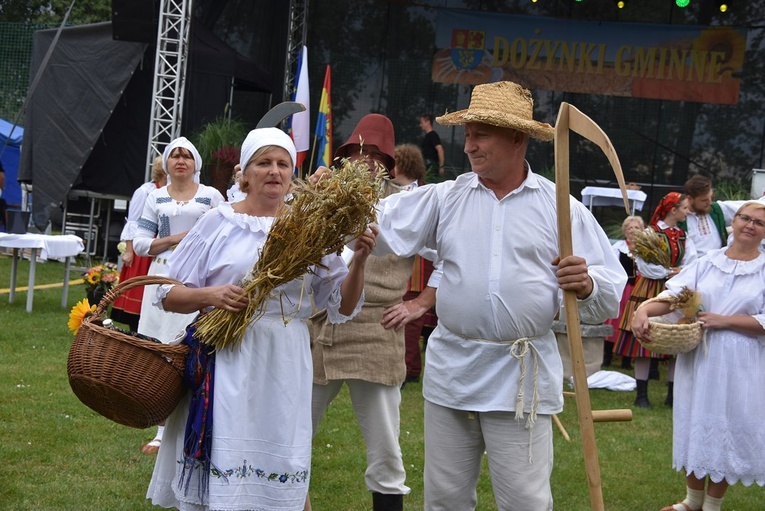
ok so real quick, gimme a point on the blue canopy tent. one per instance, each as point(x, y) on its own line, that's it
point(10, 145)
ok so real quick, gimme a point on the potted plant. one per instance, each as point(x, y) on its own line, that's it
point(218, 143)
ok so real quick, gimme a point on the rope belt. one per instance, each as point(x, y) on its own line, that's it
point(518, 349)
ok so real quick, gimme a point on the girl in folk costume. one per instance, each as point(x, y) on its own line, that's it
point(650, 281)
point(621, 248)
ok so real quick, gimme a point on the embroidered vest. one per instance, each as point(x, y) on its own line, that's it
point(675, 240)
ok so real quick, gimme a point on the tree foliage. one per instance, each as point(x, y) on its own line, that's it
point(53, 11)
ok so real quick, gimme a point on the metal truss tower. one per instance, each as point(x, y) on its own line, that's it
point(169, 76)
point(296, 39)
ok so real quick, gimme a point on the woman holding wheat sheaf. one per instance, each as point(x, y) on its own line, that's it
point(253, 449)
point(655, 267)
point(718, 437)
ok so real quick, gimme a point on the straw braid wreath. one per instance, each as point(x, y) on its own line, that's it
point(671, 338)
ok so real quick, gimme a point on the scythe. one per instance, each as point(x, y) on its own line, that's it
point(569, 118)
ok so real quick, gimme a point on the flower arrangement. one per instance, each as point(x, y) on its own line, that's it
point(228, 155)
point(221, 134)
point(101, 278)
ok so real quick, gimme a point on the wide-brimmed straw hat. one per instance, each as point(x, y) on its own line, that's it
point(503, 104)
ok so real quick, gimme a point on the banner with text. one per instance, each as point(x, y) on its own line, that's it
point(675, 62)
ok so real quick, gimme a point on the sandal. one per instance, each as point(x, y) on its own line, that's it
point(152, 447)
point(672, 507)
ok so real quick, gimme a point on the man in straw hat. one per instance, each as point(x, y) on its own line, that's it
point(493, 374)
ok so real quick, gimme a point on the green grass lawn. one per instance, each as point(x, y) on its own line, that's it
point(59, 455)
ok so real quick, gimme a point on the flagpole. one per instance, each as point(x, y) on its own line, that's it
point(323, 122)
point(300, 122)
point(313, 152)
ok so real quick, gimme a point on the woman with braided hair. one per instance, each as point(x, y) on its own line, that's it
point(650, 281)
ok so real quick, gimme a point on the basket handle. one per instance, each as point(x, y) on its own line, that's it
point(117, 290)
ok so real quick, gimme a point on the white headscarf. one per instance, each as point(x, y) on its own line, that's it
point(186, 144)
point(262, 137)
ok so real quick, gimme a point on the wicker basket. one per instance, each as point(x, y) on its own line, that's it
point(670, 338)
point(129, 380)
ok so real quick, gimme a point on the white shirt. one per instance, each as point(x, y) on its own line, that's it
point(702, 230)
point(135, 209)
point(164, 216)
point(498, 285)
point(234, 194)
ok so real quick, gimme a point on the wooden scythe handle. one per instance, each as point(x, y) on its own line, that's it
point(569, 118)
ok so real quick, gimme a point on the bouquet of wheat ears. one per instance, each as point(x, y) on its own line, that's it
point(317, 221)
point(651, 248)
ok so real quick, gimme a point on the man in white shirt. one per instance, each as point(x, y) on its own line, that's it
point(493, 375)
point(706, 223)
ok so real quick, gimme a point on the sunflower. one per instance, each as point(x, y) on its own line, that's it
point(728, 41)
point(101, 278)
point(79, 312)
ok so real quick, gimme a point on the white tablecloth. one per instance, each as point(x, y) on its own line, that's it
point(46, 246)
point(50, 246)
point(600, 196)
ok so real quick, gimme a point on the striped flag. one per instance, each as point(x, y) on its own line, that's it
point(323, 135)
point(300, 126)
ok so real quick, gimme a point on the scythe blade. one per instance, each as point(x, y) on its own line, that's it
point(569, 118)
point(278, 113)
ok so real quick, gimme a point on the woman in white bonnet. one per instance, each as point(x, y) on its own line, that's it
point(168, 213)
point(259, 450)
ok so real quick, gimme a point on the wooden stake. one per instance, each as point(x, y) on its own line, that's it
point(562, 430)
point(569, 118)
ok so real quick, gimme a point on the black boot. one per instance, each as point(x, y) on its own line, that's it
point(387, 502)
point(641, 401)
point(626, 362)
point(653, 371)
point(670, 394)
point(608, 352)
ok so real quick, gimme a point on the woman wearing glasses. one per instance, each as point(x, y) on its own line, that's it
point(718, 415)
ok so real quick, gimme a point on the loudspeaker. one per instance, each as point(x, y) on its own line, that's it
point(135, 20)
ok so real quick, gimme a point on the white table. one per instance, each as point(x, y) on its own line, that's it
point(600, 196)
point(47, 246)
